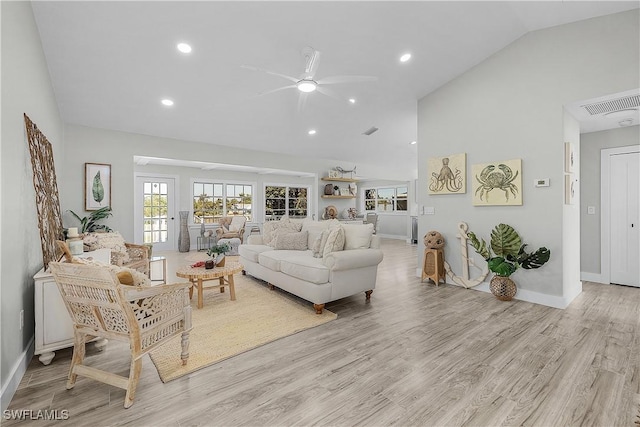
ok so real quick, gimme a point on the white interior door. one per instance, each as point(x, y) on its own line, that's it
point(624, 217)
point(155, 212)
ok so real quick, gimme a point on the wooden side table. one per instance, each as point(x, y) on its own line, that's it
point(433, 265)
point(198, 275)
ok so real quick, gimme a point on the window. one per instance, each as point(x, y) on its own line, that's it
point(280, 200)
point(211, 201)
point(386, 199)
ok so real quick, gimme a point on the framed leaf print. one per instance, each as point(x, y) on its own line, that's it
point(97, 186)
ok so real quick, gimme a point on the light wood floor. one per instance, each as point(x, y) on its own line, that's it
point(417, 355)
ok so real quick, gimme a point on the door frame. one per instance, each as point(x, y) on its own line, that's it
point(605, 208)
point(137, 208)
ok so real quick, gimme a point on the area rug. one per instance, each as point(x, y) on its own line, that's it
point(225, 328)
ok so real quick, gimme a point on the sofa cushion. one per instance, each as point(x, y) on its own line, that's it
point(271, 259)
point(305, 268)
point(357, 236)
point(315, 229)
point(335, 241)
point(293, 241)
point(251, 252)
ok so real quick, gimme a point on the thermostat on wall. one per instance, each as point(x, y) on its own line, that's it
point(543, 182)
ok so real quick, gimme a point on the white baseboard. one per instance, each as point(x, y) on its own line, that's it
point(17, 372)
point(585, 276)
point(554, 301)
point(391, 236)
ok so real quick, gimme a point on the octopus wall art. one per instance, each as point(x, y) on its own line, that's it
point(447, 175)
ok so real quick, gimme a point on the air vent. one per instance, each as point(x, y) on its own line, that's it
point(369, 131)
point(611, 105)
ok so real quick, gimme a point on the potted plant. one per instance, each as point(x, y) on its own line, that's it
point(504, 256)
point(219, 251)
point(89, 224)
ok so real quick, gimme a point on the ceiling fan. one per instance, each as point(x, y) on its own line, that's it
point(307, 83)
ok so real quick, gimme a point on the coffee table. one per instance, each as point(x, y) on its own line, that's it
point(198, 275)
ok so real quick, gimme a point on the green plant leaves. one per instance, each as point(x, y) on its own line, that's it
point(89, 224)
point(98, 188)
point(480, 247)
point(501, 267)
point(536, 259)
point(505, 241)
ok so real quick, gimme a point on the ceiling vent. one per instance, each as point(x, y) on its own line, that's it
point(369, 131)
point(604, 107)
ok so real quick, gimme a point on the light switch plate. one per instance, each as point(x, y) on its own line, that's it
point(591, 210)
point(429, 210)
point(541, 182)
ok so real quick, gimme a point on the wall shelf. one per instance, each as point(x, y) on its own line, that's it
point(339, 179)
point(338, 197)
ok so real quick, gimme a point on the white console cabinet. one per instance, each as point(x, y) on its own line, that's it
point(54, 329)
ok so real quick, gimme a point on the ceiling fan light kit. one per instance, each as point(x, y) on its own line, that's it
point(306, 85)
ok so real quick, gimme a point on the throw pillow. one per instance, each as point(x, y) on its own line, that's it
point(270, 227)
point(320, 242)
point(292, 241)
point(237, 222)
point(357, 236)
point(335, 241)
point(126, 276)
point(113, 241)
point(315, 229)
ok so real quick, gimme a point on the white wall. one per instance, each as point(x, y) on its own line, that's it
point(511, 106)
point(26, 88)
point(84, 144)
point(591, 144)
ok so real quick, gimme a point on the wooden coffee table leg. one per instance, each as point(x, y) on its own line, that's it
point(191, 290)
point(232, 288)
point(221, 284)
point(200, 297)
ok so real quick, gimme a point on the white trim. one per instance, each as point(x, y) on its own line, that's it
point(224, 183)
point(605, 214)
point(586, 276)
point(17, 372)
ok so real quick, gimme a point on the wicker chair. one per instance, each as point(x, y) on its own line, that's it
point(138, 258)
point(145, 317)
point(223, 231)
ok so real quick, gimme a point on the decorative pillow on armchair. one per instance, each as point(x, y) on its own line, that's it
point(237, 222)
point(113, 241)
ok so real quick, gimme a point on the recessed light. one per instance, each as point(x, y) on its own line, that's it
point(312, 132)
point(621, 113)
point(405, 57)
point(184, 48)
point(352, 100)
point(413, 142)
point(167, 102)
point(625, 122)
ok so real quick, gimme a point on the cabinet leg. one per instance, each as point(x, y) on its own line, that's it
point(46, 358)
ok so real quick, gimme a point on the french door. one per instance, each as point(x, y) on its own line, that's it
point(155, 212)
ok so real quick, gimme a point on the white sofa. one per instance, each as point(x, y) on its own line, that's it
point(337, 274)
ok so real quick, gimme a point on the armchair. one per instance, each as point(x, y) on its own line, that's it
point(123, 254)
point(99, 306)
point(230, 227)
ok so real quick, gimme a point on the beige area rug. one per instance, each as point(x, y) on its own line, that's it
point(225, 328)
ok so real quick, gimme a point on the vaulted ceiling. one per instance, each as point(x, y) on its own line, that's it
point(111, 64)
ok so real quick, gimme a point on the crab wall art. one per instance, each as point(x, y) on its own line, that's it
point(447, 175)
point(497, 183)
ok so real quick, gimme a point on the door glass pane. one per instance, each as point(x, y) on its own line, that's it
point(155, 211)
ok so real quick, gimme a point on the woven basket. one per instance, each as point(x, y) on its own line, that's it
point(503, 288)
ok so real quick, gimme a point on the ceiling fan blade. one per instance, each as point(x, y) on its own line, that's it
point(329, 93)
point(313, 57)
point(249, 67)
point(276, 90)
point(346, 79)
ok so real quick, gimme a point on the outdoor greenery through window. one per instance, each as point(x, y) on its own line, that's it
point(284, 200)
point(386, 199)
point(211, 201)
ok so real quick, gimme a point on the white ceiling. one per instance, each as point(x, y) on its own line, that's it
point(112, 62)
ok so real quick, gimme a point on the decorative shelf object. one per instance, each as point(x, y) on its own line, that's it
point(337, 197)
point(326, 178)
